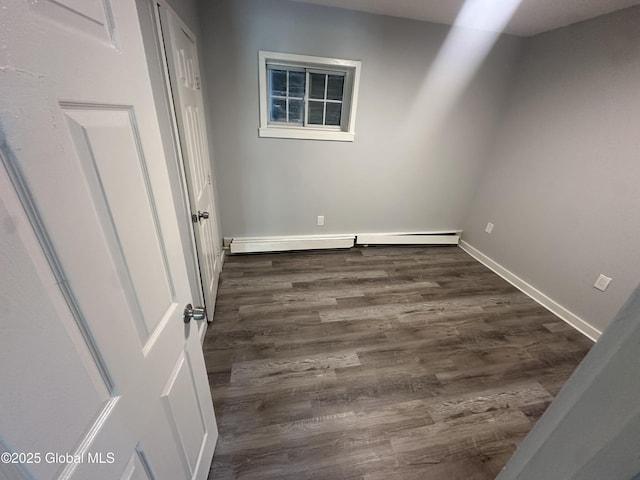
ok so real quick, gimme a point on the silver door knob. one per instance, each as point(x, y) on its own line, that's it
point(203, 215)
point(197, 313)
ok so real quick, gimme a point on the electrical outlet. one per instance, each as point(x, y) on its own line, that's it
point(489, 228)
point(602, 283)
point(320, 220)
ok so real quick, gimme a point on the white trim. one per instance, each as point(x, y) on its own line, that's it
point(308, 60)
point(351, 68)
point(280, 244)
point(407, 239)
point(305, 133)
point(554, 307)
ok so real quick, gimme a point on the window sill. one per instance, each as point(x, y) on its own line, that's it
point(306, 134)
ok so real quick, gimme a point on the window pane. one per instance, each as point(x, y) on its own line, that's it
point(296, 84)
point(295, 111)
point(278, 110)
point(334, 114)
point(278, 83)
point(316, 90)
point(316, 112)
point(335, 86)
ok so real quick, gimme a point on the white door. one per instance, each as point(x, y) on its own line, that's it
point(182, 60)
point(100, 378)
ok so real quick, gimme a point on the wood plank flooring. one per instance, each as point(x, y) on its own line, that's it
point(377, 363)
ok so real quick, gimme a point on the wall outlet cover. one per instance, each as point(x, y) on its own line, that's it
point(602, 283)
point(320, 220)
point(489, 228)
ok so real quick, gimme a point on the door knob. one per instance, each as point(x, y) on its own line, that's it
point(197, 313)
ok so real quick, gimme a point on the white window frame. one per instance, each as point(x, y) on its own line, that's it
point(343, 133)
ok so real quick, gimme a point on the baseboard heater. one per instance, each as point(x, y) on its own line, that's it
point(281, 244)
point(419, 238)
point(316, 242)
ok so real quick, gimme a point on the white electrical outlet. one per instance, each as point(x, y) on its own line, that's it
point(320, 220)
point(489, 228)
point(602, 283)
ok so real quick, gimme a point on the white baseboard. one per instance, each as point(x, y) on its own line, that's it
point(547, 302)
point(281, 244)
point(420, 238)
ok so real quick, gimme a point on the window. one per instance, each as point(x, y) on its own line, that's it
point(307, 97)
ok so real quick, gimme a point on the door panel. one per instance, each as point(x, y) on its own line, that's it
point(137, 468)
point(93, 18)
point(106, 142)
point(45, 320)
point(93, 278)
point(180, 397)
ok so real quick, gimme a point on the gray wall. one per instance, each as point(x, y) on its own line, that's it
point(390, 178)
point(562, 183)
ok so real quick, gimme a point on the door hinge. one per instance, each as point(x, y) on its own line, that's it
point(197, 82)
point(196, 217)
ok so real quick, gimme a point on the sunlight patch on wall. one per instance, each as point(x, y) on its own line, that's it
point(471, 38)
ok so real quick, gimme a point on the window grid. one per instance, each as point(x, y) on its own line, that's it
point(287, 97)
point(305, 99)
point(324, 100)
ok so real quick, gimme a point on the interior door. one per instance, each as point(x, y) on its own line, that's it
point(182, 60)
point(100, 376)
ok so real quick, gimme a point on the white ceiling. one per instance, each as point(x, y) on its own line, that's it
point(531, 18)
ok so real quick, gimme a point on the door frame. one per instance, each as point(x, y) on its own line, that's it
point(168, 107)
point(207, 246)
point(164, 106)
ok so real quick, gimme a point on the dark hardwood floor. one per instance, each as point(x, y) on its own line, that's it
point(377, 363)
